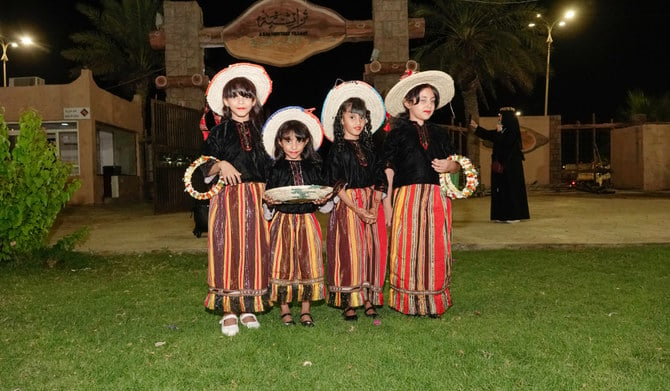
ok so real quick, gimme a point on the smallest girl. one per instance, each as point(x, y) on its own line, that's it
point(291, 135)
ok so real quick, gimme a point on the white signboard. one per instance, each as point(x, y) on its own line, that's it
point(76, 113)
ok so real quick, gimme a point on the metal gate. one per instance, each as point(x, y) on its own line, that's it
point(175, 141)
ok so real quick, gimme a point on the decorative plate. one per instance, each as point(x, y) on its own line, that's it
point(298, 194)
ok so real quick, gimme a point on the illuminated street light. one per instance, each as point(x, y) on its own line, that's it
point(550, 26)
point(26, 41)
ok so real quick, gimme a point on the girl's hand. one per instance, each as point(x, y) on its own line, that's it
point(473, 124)
point(444, 165)
point(321, 201)
point(365, 215)
point(229, 173)
point(374, 211)
point(270, 201)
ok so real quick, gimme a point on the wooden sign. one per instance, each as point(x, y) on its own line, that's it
point(286, 32)
point(279, 32)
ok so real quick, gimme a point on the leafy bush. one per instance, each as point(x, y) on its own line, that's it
point(34, 186)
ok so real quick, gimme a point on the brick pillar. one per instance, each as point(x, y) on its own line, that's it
point(555, 160)
point(391, 38)
point(183, 54)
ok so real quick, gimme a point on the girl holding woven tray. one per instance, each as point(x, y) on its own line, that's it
point(291, 135)
point(356, 250)
point(415, 154)
point(238, 246)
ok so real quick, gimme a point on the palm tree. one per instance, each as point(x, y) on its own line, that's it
point(482, 45)
point(118, 50)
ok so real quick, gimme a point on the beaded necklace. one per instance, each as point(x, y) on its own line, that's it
point(358, 151)
point(423, 135)
point(245, 135)
point(296, 170)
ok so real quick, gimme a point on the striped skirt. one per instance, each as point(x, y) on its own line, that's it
point(420, 255)
point(238, 250)
point(356, 262)
point(297, 258)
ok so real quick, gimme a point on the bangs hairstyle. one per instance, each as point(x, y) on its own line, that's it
point(356, 106)
point(301, 134)
point(241, 86)
point(413, 94)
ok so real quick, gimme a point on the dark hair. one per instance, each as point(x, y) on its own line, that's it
point(241, 86)
point(356, 106)
point(301, 133)
point(412, 96)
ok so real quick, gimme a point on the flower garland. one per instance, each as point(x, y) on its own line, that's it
point(449, 189)
point(188, 186)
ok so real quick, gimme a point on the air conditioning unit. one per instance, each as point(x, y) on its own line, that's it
point(26, 81)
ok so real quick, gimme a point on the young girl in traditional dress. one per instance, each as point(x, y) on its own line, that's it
point(356, 260)
point(415, 153)
point(238, 238)
point(291, 136)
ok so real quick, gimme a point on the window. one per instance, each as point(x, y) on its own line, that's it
point(64, 135)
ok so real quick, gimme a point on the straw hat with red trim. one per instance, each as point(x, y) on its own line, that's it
point(297, 113)
point(438, 79)
point(255, 73)
point(345, 90)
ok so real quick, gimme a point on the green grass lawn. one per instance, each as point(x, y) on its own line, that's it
point(581, 319)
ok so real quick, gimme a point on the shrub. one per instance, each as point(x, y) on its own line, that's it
point(34, 186)
point(654, 108)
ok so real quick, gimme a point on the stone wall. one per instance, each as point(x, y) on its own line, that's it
point(391, 38)
point(183, 54)
point(641, 157)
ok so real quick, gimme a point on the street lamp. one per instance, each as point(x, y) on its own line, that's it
point(6, 44)
point(550, 26)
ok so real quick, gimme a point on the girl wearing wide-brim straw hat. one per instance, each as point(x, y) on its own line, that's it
point(356, 250)
point(238, 238)
point(292, 135)
point(415, 153)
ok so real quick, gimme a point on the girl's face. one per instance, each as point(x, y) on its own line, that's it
point(291, 146)
point(240, 107)
point(424, 108)
point(352, 124)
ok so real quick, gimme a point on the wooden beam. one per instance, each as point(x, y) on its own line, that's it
point(354, 31)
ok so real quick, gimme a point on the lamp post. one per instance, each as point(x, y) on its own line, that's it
point(5, 45)
point(550, 26)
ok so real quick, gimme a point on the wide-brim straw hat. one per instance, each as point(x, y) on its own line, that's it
point(255, 73)
point(288, 113)
point(348, 89)
point(438, 79)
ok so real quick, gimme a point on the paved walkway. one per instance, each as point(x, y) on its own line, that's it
point(557, 219)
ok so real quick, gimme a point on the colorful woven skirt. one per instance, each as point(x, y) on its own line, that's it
point(297, 258)
point(420, 255)
point(356, 262)
point(238, 250)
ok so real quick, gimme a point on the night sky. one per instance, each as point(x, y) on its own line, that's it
point(613, 46)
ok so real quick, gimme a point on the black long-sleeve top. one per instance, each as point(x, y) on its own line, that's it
point(506, 144)
point(356, 166)
point(410, 148)
point(239, 144)
point(295, 173)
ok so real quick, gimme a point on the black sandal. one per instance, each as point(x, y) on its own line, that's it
point(289, 322)
point(307, 323)
point(349, 317)
point(371, 312)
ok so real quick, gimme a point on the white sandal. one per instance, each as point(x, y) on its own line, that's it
point(252, 324)
point(232, 329)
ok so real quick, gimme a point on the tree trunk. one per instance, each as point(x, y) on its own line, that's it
point(472, 112)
